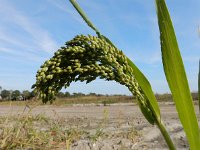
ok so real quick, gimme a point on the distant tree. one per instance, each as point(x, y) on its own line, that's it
point(0, 92)
point(15, 95)
point(194, 95)
point(92, 94)
point(75, 94)
point(78, 94)
point(32, 94)
point(26, 94)
point(67, 94)
point(5, 94)
point(61, 94)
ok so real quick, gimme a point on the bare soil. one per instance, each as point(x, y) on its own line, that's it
point(114, 127)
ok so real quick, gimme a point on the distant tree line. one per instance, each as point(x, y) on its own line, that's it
point(79, 94)
point(168, 96)
point(27, 95)
point(15, 94)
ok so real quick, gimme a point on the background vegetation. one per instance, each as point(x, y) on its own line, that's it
point(67, 98)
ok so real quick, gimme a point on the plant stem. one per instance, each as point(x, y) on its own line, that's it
point(84, 16)
point(199, 83)
point(165, 135)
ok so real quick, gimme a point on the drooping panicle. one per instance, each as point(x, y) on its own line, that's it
point(85, 58)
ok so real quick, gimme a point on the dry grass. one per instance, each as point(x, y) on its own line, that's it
point(105, 100)
point(28, 131)
point(36, 132)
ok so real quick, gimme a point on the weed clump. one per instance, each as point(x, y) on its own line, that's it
point(35, 132)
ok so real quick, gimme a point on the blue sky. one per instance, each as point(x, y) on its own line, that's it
point(31, 31)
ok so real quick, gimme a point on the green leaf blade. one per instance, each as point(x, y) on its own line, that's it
point(146, 87)
point(199, 86)
point(176, 76)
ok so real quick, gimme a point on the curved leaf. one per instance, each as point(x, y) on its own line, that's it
point(146, 87)
point(176, 76)
point(199, 86)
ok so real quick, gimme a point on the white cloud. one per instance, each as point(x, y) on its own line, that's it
point(61, 5)
point(21, 55)
point(40, 37)
point(5, 38)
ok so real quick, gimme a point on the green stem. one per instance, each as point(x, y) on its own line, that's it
point(199, 85)
point(84, 16)
point(166, 135)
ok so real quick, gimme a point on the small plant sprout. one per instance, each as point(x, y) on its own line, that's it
point(86, 57)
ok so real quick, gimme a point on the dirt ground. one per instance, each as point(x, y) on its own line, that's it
point(115, 127)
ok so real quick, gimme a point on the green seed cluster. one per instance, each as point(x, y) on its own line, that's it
point(85, 58)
